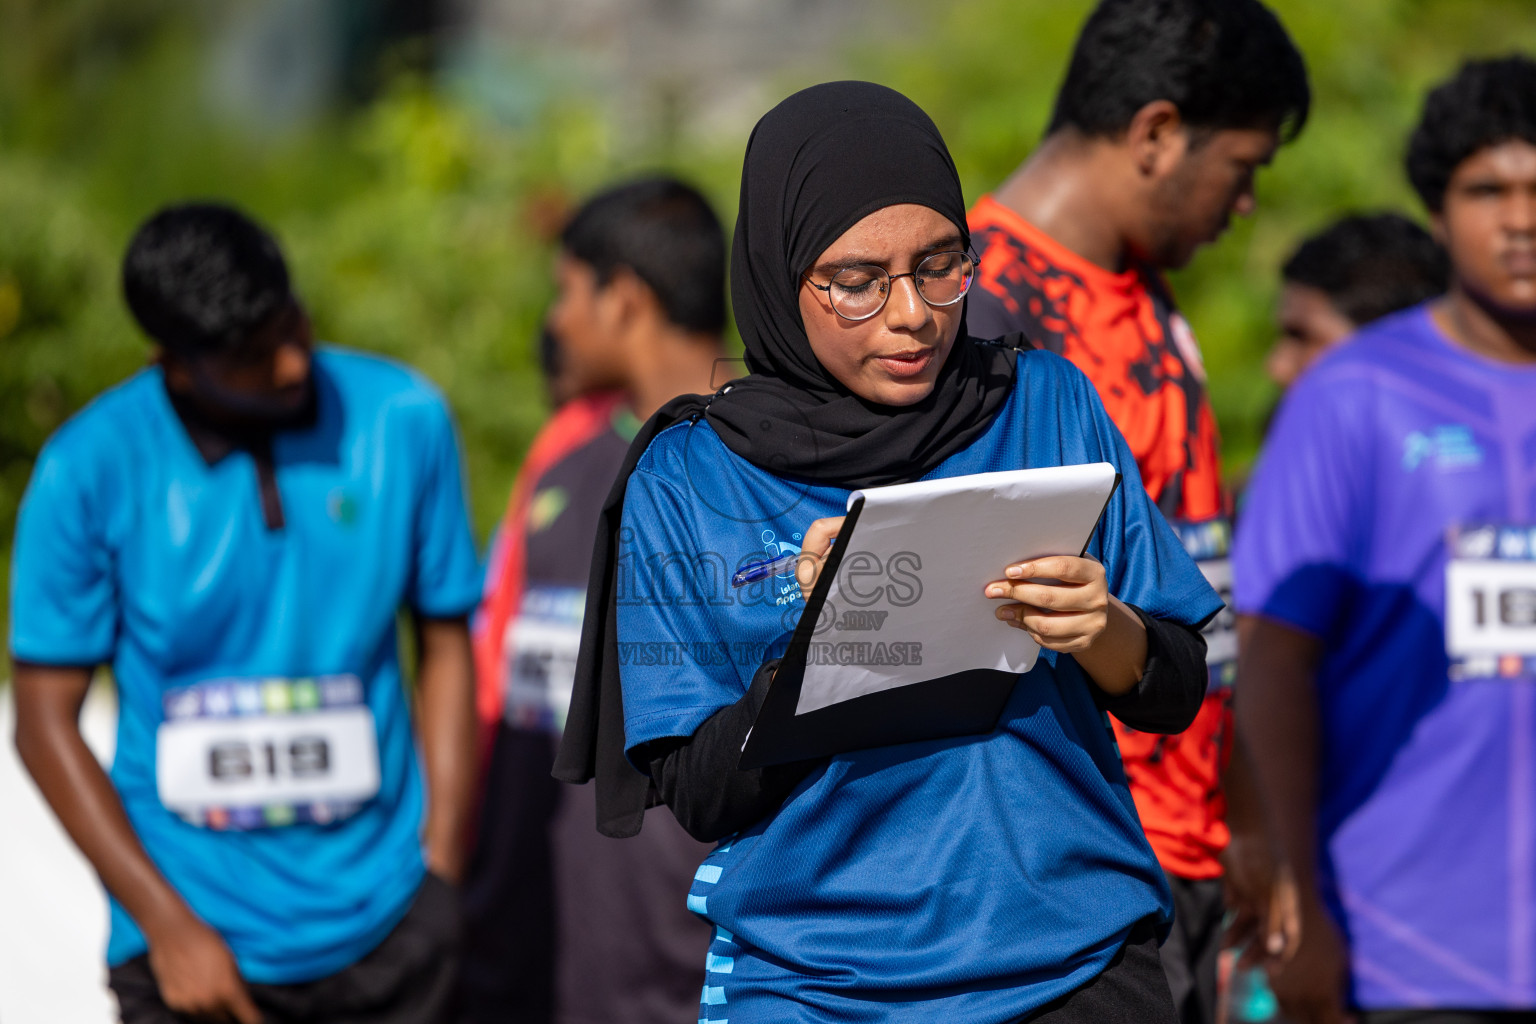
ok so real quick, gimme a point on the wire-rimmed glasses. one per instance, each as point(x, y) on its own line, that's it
point(861, 291)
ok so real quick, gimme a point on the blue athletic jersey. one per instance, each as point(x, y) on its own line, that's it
point(968, 879)
point(1393, 516)
point(132, 549)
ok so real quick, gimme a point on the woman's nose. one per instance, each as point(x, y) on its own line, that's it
point(905, 308)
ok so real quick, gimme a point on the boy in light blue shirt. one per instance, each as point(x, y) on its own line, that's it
point(234, 531)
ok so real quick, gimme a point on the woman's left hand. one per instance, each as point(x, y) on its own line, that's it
point(1066, 616)
point(1076, 615)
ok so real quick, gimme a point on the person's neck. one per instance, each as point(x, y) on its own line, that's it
point(1485, 330)
point(671, 362)
point(1061, 190)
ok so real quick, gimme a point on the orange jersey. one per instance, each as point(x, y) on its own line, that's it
point(1123, 332)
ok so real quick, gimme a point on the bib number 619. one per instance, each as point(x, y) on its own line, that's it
point(303, 757)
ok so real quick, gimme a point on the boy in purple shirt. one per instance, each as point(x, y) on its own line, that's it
point(1385, 567)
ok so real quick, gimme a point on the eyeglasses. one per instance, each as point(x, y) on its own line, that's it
point(859, 292)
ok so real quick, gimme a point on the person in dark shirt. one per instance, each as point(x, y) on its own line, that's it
point(1168, 110)
point(565, 924)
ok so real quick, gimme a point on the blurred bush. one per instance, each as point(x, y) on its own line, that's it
point(415, 220)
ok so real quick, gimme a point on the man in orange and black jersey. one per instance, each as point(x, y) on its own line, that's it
point(1168, 110)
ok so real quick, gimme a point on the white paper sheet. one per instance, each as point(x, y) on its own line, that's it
point(908, 601)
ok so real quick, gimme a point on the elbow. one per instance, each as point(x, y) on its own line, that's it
point(702, 810)
point(1189, 710)
point(1189, 698)
point(705, 828)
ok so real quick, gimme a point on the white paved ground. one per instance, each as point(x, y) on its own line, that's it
point(53, 916)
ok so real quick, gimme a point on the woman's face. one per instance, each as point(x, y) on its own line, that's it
point(893, 357)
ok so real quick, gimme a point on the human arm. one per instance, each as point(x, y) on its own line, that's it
point(194, 969)
point(445, 706)
point(1258, 886)
point(445, 585)
point(698, 777)
point(1278, 720)
point(1299, 555)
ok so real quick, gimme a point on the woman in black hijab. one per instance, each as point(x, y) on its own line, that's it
point(988, 878)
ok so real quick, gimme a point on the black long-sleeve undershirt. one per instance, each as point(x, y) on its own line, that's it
point(711, 797)
point(1169, 693)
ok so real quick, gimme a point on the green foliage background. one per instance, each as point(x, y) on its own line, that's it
point(406, 218)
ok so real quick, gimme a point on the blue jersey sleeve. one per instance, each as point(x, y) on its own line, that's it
point(1303, 518)
point(64, 608)
point(1144, 562)
point(446, 581)
point(673, 662)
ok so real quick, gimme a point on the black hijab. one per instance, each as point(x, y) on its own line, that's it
point(816, 164)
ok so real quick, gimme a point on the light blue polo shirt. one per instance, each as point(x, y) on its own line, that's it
point(257, 669)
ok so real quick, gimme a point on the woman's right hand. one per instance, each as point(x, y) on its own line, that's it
point(814, 549)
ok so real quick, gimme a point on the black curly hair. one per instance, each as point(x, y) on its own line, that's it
point(200, 277)
point(1371, 265)
point(1486, 103)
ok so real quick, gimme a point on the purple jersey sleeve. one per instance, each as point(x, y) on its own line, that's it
point(1305, 519)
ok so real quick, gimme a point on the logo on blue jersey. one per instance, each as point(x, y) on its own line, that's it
point(341, 507)
point(1448, 447)
point(779, 548)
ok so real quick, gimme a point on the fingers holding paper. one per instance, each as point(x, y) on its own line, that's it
point(814, 549)
point(1062, 602)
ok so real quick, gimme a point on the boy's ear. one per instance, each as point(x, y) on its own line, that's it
point(1155, 137)
point(633, 298)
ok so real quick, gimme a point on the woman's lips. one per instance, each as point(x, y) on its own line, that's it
point(906, 364)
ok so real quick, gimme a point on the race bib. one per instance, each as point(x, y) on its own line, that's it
point(539, 648)
point(1209, 543)
point(1490, 602)
point(265, 753)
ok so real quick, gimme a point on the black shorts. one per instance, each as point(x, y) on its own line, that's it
point(1131, 990)
point(409, 978)
point(1194, 944)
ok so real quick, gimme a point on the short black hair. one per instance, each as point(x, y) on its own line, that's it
point(1371, 265)
point(1223, 63)
point(200, 277)
point(666, 233)
point(1486, 103)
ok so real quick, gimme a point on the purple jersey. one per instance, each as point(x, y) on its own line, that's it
point(1393, 515)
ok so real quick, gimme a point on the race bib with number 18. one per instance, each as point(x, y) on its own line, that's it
point(1490, 602)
